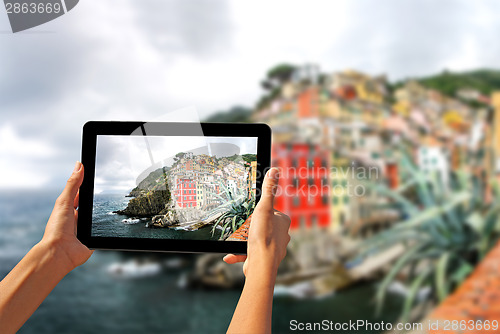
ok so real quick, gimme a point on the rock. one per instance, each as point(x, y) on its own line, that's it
point(147, 205)
point(211, 272)
point(165, 220)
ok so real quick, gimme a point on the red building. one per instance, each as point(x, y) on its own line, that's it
point(304, 192)
point(186, 193)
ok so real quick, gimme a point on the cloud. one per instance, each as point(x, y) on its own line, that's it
point(126, 59)
point(20, 160)
point(415, 38)
point(198, 29)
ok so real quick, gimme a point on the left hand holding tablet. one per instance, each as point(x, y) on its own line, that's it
point(60, 232)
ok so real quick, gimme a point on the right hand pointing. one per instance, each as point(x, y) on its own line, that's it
point(268, 233)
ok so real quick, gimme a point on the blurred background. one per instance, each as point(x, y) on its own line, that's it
point(388, 111)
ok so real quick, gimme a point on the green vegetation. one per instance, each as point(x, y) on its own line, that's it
point(484, 80)
point(152, 181)
point(246, 157)
point(235, 209)
point(179, 156)
point(274, 80)
point(249, 157)
point(236, 114)
point(445, 235)
point(232, 219)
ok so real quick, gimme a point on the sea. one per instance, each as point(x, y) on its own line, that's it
point(93, 299)
point(106, 223)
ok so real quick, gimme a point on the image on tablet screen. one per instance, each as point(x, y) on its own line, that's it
point(166, 187)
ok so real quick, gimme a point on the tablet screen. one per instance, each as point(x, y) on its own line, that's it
point(174, 187)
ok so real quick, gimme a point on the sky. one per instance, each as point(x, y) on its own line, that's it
point(140, 60)
point(123, 161)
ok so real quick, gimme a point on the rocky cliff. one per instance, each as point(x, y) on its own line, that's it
point(148, 205)
point(151, 197)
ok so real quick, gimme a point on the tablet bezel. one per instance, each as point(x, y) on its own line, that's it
point(89, 144)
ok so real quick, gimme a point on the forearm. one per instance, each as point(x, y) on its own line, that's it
point(253, 313)
point(29, 283)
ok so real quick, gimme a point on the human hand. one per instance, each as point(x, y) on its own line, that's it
point(60, 232)
point(268, 233)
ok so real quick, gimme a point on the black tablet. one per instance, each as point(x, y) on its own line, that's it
point(179, 187)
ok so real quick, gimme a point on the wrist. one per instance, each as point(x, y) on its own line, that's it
point(56, 253)
point(263, 268)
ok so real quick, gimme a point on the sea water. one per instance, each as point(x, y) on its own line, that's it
point(92, 300)
point(105, 223)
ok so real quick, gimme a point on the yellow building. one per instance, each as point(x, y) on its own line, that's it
point(200, 195)
point(339, 193)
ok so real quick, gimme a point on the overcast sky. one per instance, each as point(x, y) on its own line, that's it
point(135, 60)
point(123, 161)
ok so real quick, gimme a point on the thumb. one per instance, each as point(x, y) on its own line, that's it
point(269, 188)
point(73, 184)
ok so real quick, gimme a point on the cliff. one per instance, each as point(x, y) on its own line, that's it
point(148, 205)
point(151, 196)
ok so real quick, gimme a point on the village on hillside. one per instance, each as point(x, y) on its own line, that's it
point(395, 184)
point(195, 180)
point(352, 119)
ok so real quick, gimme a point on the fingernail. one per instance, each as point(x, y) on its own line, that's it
point(78, 166)
point(273, 173)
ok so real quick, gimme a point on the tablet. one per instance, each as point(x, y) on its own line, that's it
point(178, 187)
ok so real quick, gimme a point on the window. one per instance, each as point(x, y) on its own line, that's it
point(346, 199)
point(295, 163)
point(302, 222)
point(324, 181)
point(335, 200)
point(296, 201)
point(324, 199)
point(184, 197)
point(295, 182)
point(314, 221)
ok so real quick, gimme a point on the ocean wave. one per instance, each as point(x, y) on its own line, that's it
point(111, 213)
point(134, 269)
point(130, 221)
point(299, 290)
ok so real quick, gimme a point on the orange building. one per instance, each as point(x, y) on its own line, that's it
point(308, 103)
